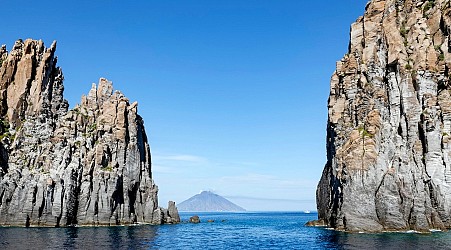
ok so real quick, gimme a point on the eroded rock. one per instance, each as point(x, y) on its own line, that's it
point(388, 134)
point(194, 219)
point(87, 166)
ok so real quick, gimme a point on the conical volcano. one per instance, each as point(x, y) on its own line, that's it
point(207, 201)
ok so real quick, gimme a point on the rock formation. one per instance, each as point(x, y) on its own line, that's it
point(87, 166)
point(194, 219)
point(389, 127)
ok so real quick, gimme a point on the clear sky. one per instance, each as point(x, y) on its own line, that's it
point(233, 93)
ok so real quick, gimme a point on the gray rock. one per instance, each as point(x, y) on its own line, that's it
point(173, 213)
point(389, 128)
point(87, 166)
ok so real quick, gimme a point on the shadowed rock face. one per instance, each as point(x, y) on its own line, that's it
point(86, 166)
point(389, 128)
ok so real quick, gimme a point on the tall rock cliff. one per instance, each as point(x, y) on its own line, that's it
point(87, 166)
point(389, 127)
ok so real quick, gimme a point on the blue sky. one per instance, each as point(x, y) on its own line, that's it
point(233, 93)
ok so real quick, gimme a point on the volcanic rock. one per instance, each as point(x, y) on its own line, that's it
point(87, 166)
point(194, 219)
point(389, 128)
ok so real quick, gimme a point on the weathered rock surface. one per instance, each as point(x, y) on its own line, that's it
point(389, 128)
point(88, 166)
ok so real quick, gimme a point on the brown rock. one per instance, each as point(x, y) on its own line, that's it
point(194, 219)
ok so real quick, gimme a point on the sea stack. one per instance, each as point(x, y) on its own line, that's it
point(389, 127)
point(87, 166)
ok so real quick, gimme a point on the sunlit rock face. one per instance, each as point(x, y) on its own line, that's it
point(389, 128)
point(87, 166)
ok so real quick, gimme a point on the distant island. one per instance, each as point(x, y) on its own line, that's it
point(208, 201)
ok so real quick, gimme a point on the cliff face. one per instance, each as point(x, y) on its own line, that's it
point(59, 167)
point(389, 128)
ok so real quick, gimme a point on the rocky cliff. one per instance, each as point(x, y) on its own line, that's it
point(87, 166)
point(389, 127)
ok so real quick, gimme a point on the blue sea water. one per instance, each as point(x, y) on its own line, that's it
point(259, 230)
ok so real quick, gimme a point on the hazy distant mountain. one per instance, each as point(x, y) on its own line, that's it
point(208, 202)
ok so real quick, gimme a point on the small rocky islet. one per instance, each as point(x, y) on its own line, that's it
point(90, 165)
point(389, 127)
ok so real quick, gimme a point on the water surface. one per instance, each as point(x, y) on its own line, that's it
point(272, 230)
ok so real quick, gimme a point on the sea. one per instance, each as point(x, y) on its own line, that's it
point(246, 230)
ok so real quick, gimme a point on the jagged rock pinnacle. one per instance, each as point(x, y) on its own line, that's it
point(88, 166)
